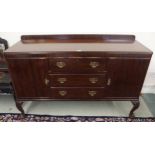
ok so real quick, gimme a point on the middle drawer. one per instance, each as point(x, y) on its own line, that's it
point(77, 80)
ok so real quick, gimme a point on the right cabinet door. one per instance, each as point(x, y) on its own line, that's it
point(126, 76)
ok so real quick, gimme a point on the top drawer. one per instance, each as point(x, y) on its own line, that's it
point(77, 65)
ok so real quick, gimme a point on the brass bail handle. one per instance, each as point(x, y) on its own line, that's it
point(109, 81)
point(46, 81)
point(60, 64)
point(93, 80)
point(92, 93)
point(61, 80)
point(63, 93)
point(94, 64)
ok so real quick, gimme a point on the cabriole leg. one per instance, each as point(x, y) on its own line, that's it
point(18, 103)
point(136, 104)
point(19, 107)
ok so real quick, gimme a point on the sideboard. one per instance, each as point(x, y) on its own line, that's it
point(78, 67)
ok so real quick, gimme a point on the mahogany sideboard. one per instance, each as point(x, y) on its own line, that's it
point(78, 67)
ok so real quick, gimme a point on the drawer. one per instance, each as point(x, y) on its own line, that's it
point(77, 65)
point(64, 80)
point(77, 93)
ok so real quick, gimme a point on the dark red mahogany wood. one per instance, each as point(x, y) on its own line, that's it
point(78, 67)
point(77, 38)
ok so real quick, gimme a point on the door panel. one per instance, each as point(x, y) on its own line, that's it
point(127, 76)
point(28, 76)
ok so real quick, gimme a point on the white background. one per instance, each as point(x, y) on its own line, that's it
point(78, 16)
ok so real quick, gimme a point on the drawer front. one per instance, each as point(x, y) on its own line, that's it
point(77, 65)
point(77, 93)
point(63, 80)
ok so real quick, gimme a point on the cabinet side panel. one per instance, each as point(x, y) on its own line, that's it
point(127, 76)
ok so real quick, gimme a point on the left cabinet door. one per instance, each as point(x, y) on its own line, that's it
point(28, 77)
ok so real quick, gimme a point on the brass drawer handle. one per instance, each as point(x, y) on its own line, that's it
point(46, 82)
point(94, 64)
point(61, 80)
point(63, 93)
point(109, 82)
point(61, 64)
point(93, 80)
point(92, 93)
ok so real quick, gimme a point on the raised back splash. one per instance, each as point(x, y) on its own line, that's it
point(78, 38)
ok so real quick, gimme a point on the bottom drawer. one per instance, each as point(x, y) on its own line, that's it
point(77, 93)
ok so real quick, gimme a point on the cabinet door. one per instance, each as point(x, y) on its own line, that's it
point(127, 76)
point(28, 77)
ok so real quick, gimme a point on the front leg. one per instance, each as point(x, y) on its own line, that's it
point(18, 103)
point(20, 108)
point(136, 104)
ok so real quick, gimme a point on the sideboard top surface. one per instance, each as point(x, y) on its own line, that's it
point(104, 43)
